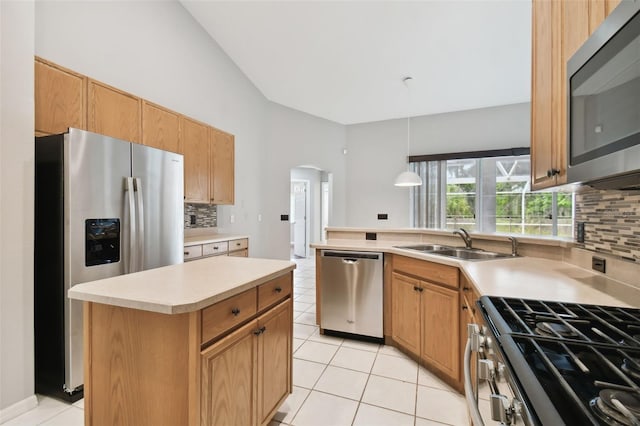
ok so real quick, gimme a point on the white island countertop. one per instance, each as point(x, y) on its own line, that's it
point(185, 287)
point(520, 277)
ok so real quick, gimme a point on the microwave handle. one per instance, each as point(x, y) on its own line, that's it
point(472, 402)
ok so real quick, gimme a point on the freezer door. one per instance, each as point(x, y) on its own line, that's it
point(158, 177)
point(95, 172)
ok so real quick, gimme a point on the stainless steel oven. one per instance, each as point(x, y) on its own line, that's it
point(555, 363)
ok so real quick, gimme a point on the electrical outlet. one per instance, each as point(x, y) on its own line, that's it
point(580, 232)
point(284, 217)
point(383, 216)
point(192, 219)
point(598, 264)
point(259, 217)
point(232, 219)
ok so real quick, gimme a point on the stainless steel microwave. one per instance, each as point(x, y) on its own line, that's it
point(603, 105)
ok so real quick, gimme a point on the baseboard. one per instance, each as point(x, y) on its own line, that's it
point(18, 408)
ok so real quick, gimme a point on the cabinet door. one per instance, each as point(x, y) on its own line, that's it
point(542, 144)
point(195, 146)
point(274, 359)
point(440, 329)
point(113, 112)
point(60, 99)
point(160, 127)
point(222, 164)
point(229, 374)
point(405, 312)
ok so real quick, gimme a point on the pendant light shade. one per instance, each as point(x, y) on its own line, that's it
point(408, 178)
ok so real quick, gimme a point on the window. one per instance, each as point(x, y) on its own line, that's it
point(486, 194)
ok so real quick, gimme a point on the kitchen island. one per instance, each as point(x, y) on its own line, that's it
point(207, 342)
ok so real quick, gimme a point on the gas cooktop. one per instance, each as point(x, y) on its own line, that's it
point(582, 360)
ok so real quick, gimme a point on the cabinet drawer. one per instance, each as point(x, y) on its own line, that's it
point(274, 290)
point(218, 318)
point(430, 271)
point(192, 252)
point(239, 253)
point(240, 244)
point(212, 249)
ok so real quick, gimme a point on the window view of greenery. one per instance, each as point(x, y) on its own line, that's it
point(492, 195)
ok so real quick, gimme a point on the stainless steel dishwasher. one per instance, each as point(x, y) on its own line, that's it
point(351, 293)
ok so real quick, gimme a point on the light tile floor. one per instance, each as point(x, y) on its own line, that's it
point(335, 381)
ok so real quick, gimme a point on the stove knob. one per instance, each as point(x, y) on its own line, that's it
point(486, 370)
point(500, 408)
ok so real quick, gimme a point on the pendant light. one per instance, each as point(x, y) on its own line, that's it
point(408, 178)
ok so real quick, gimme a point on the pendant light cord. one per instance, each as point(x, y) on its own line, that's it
point(406, 81)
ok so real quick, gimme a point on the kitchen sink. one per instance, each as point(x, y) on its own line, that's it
point(426, 247)
point(456, 252)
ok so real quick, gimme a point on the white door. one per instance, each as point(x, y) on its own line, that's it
point(300, 219)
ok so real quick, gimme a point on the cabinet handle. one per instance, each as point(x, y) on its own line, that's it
point(465, 307)
point(552, 172)
point(416, 288)
point(235, 311)
point(260, 331)
point(186, 253)
point(278, 289)
point(465, 289)
point(238, 244)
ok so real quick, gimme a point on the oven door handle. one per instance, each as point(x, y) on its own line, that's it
point(474, 410)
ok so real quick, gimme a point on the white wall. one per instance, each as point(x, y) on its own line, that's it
point(16, 208)
point(297, 139)
point(377, 153)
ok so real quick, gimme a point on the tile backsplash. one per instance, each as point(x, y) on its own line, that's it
point(612, 221)
point(206, 215)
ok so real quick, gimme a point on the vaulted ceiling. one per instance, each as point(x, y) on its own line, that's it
point(345, 60)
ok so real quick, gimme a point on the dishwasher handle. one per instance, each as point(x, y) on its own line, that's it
point(352, 255)
point(349, 261)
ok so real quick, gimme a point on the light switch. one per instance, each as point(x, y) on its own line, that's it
point(232, 218)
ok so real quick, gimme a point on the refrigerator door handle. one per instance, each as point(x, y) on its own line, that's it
point(130, 263)
point(140, 214)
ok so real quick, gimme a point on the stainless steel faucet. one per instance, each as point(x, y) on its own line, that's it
point(465, 236)
point(514, 246)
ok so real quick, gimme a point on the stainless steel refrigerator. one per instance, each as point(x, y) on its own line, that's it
point(103, 207)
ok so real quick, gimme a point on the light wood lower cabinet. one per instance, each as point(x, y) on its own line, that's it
point(405, 311)
point(274, 360)
point(229, 379)
point(247, 375)
point(147, 368)
point(425, 319)
point(440, 341)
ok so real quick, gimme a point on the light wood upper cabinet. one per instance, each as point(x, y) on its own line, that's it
point(160, 127)
point(195, 147)
point(60, 98)
point(548, 164)
point(113, 112)
point(222, 167)
point(559, 28)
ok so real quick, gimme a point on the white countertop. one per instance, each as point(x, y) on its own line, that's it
point(185, 287)
point(523, 277)
point(211, 238)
